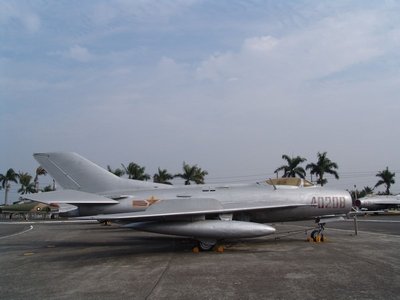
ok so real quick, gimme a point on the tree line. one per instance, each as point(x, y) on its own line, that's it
point(195, 174)
point(25, 179)
point(324, 165)
point(191, 173)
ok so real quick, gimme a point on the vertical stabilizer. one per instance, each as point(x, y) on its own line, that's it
point(74, 172)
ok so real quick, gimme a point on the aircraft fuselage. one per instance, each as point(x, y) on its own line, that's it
point(313, 202)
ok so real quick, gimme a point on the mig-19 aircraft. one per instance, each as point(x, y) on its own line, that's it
point(206, 213)
point(378, 202)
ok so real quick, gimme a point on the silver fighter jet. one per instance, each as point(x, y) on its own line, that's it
point(207, 213)
point(378, 202)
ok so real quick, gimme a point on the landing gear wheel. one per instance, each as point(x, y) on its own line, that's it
point(219, 249)
point(206, 245)
point(315, 235)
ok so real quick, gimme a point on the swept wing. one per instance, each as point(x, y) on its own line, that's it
point(190, 207)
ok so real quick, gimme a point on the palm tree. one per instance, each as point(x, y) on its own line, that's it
point(135, 171)
point(118, 172)
point(192, 173)
point(27, 186)
point(356, 194)
point(365, 192)
point(292, 168)
point(387, 178)
point(48, 188)
point(162, 176)
point(39, 171)
point(5, 182)
point(323, 165)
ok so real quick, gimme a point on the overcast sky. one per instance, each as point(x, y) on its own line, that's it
point(228, 85)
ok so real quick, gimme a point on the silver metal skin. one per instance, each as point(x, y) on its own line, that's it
point(74, 172)
point(209, 229)
point(378, 202)
point(205, 212)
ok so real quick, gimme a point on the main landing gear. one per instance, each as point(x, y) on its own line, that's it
point(317, 235)
point(208, 245)
point(105, 222)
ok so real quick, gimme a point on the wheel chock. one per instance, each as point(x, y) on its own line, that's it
point(196, 249)
point(219, 249)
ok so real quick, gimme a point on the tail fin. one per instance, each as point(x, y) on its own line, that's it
point(74, 172)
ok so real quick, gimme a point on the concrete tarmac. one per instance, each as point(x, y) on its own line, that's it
point(53, 260)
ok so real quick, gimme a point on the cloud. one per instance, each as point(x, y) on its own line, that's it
point(105, 13)
point(32, 22)
point(328, 46)
point(75, 52)
point(79, 53)
point(10, 12)
point(260, 44)
point(232, 99)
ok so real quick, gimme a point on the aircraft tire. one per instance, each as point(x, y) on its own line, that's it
point(206, 246)
point(314, 235)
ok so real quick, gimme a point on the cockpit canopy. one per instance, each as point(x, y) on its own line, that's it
point(290, 182)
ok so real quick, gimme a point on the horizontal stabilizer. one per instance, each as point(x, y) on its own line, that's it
point(70, 197)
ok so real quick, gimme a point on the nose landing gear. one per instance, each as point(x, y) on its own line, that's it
point(317, 235)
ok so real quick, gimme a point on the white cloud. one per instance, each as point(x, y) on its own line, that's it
point(219, 66)
point(149, 11)
point(168, 70)
point(261, 44)
point(10, 11)
point(328, 46)
point(79, 53)
point(103, 13)
point(32, 22)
